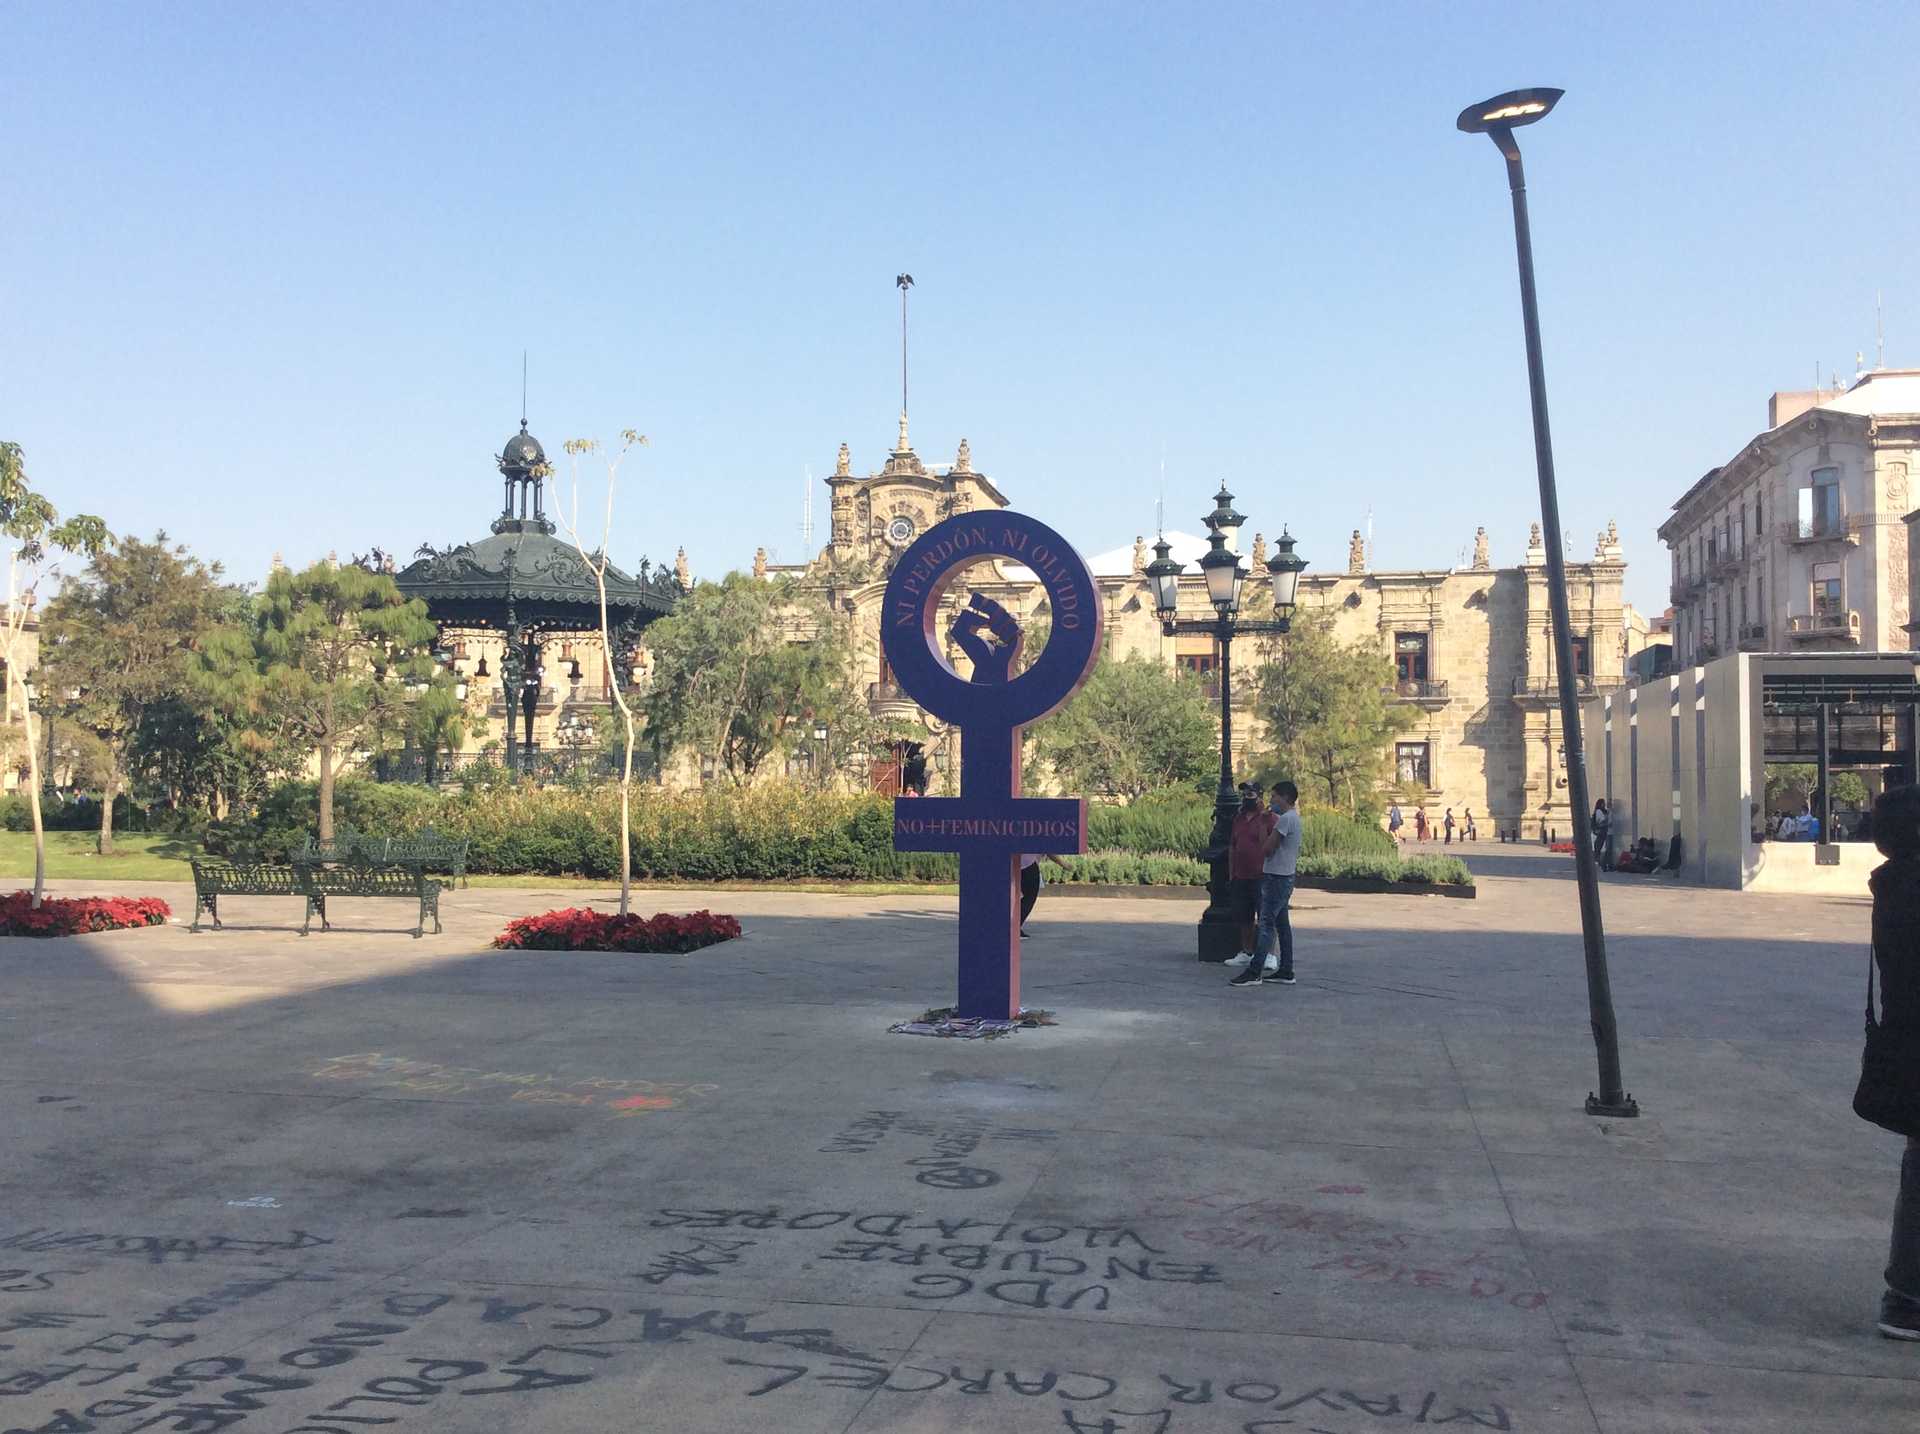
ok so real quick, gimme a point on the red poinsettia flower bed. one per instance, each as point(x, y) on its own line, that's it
point(578, 929)
point(71, 916)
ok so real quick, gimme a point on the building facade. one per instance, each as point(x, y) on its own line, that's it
point(1799, 542)
point(1471, 647)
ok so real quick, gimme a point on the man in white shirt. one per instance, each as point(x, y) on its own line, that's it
point(1276, 892)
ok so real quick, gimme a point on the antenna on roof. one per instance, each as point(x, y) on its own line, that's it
point(1160, 498)
point(523, 388)
point(903, 282)
point(806, 517)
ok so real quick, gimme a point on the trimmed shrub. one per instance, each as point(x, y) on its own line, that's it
point(777, 832)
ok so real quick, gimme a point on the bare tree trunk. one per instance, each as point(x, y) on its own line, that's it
point(326, 791)
point(33, 789)
point(16, 682)
point(109, 789)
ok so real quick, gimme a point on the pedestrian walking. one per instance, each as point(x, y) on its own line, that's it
point(1395, 822)
point(1246, 853)
point(1420, 824)
point(1896, 953)
point(1602, 827)
point(1030, 883)
point(1472, 832)
point(1276, 893)
point(1447, 823)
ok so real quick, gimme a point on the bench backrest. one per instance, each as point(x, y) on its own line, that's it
point(426, 847)
point(362, 880)
point(213, 878)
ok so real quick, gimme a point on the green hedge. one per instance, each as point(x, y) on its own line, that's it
point(773, 833)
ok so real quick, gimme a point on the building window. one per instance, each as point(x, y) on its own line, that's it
point(1820, 504)
point(1827, 600)
point(1582, 658)
point(1411, 763)
point(1737, 544)
point(1410, 656)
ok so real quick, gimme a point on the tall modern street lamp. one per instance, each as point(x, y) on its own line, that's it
point(1497, 118)
point(1219, 929)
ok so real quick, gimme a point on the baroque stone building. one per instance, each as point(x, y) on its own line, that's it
point(1799, 541)
point(1471, 646)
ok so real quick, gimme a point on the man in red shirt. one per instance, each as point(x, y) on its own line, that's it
point(1246, 851)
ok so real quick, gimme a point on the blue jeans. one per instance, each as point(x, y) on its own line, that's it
point(1276, 894)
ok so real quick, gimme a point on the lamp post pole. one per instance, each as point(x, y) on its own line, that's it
point(1219, 929)
point(1497, 119)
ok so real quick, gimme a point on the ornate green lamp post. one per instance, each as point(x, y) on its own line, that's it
point(1220, 566)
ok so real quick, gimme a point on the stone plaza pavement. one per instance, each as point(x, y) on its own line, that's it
point(360, 1181)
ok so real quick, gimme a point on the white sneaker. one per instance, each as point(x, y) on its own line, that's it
point(1273, 966)
point(1240, 960)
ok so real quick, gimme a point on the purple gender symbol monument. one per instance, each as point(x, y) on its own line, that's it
point(989, 824)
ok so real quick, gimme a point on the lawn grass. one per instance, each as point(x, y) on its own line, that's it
point(138, 856)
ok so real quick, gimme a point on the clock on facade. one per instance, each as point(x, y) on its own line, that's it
point(900, 531)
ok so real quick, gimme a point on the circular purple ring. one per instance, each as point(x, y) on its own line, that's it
point(911, 637)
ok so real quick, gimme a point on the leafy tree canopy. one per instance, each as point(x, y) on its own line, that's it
point(1135, 727)
point(1330, 720)
point(119, 641)
point(313, 667)
point(744, 670)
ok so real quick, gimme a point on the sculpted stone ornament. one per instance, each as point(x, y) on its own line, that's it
point(1482, 559)
point(1356, 553)
point(989, 824)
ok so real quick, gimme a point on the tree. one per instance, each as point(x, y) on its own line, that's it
point(196, 753)
point(438, 721)
point(120, 637)
point(1328, 712)
point(597, 565)
point(1849, 790)
point(744, 669)
point(33, 529)
point(311, 669)
point(1136, 726)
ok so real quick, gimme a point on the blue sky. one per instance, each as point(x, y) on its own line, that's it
point(266, 271)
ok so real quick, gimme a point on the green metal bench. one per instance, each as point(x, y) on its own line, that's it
point(215, 879)
point(426, 849)
point(314, 883)
point(355, 879)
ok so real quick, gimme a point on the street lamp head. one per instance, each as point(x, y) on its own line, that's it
point(1164, 573)
point(820, 732)
point(1508, 111)
point(1222, 572)
point(1224, 520)
point(1498, 117)
point(1285, 567)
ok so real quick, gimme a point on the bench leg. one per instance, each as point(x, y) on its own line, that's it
point(316, 906)
point(430, 905)
point(208, 904)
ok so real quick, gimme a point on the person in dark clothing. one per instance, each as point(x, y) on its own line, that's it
point(1896, 953)
point(1031, 882)
point(1246, 850)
